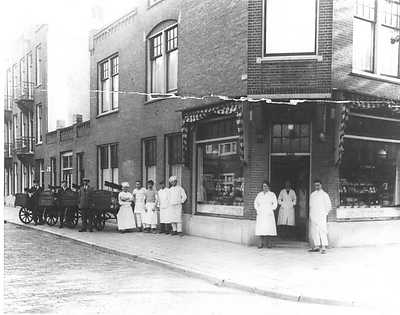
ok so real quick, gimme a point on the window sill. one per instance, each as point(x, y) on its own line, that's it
point(110, 112)
point(373, 76)
point(39, 143)
point(318, 58)
point(157, 99)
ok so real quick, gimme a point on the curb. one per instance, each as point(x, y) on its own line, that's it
point(214, 280)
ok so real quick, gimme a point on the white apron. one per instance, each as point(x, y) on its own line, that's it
point(287, 201)
point(177, 197)
point(139, 195)
point(125, 217)
point(150, 216)
point(265, 204)
point(163, 205)
point(320, 205)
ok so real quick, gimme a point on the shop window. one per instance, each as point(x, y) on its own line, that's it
point(219, 169)
point(291, 138)
point(67, 168)
point(107, 164)
point(368, 173)
point(149, 159)
point(174, 156)
point(287, 32)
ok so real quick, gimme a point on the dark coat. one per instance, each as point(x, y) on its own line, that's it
point(34, 196)
point(85, 197)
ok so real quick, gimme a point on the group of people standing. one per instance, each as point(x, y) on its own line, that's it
point(152, 208)
point(266, 203)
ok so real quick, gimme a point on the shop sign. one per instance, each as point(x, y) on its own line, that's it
point(220, 209)
point(367, 213)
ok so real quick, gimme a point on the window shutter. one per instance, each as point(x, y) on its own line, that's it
point(104, 157)
point(114, 155)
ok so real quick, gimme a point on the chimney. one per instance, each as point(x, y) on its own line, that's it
point(60, 124)
point(77, 118)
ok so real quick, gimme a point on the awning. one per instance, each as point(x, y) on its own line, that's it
point(345, 109)
point(190, 117)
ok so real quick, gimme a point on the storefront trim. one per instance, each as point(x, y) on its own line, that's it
point(367, 212)
point(371, 139)
point(217, 139)
point(373, 117)
point(291, 154)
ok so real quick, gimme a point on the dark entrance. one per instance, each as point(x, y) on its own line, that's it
point(296, 169)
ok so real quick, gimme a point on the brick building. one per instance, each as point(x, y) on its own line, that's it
point(344, 131)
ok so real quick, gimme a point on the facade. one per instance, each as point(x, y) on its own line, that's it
point(192, 89)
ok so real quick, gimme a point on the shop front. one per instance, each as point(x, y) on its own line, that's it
point(369, 184)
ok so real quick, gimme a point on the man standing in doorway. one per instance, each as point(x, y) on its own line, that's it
point(177, 197)
point(85, 206)
point(320, 205)
point(287, 202)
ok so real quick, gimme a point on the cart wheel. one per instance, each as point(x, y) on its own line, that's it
point(25, 215)
point(75, 219)
point(51, 219)
point(100, 222)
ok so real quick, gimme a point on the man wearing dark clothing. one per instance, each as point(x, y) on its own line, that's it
point(86, 206)
point(62, 210)
point(33, 194)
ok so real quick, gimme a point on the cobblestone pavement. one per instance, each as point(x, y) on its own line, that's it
point(45, 273)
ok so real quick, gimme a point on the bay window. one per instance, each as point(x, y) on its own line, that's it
point(163, 61)
point(220, 183)
point(375, 27)
point(107, 164)
point(290, 27)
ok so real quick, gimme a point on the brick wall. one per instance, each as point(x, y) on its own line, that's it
point(284, 76)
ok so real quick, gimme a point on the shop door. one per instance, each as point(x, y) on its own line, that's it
point(296, 169)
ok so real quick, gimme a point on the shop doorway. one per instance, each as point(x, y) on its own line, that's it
point(296, 169)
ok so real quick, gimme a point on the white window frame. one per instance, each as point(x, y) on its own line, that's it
point(69, 169)
point(39, 117)
point(232, 150)
point(305, 54)
point(38, 65)
point(114, 171)
point(378, 26)
point(164, 55)
point(111, 92)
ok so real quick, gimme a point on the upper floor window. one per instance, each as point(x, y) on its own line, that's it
point(376, 27)
point(163, 61)
point(290, 27)
point(38, 65)
point(39, 124)
point(9, 89)
point(108, 73)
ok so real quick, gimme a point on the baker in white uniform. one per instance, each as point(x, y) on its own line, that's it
point(151, 199)
point(320, 205)
point(163, 205)
point(139, 197)
point(125, 217)
point(265, 205)
point(177, 197)
point(287, 201)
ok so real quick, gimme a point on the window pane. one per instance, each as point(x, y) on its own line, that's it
point(115, 65)
point(391, 13)
point(172, 39)
point(363, 45)
point(115, 88)
point(287, 31)
point(175, 149)
point(365, 9)
point(114, 155)
point(217, 129)
point(105, 92)
point(157, 75)
point(150, 152)
point(155, 47)
point(172, 68)
point(104, 157)
point(220, 177)
point(389, 53)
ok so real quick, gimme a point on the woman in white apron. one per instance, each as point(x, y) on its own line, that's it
point(125, 217)
point(265, 204)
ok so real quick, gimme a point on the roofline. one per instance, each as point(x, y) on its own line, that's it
point(104, 28)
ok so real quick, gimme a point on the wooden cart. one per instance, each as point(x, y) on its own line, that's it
point(48, 206)
point(69, 201)
point(105, 205)
point(25, 213)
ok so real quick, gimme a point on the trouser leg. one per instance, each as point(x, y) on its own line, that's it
point(84, 218)
point(61, 215)
point(179, 227)
point(174, 227)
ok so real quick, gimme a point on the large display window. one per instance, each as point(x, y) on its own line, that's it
point(369, 174)
point(219, 169)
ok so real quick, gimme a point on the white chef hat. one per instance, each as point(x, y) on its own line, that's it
point(172, 179)
point(125, 184)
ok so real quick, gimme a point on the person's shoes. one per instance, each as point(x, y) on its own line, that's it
point(61, 226)
point(154, 231)
point(91, 230)
point(180, 234)
point(323, 251)
point(174, 233)
point(269, 245)
point(82, 230)
point(260, 246)
point(35, 223)
point(313, 250)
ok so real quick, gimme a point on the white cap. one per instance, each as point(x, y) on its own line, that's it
point(172, 179)
point(125, 184)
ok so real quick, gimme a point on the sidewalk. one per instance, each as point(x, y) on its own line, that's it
point(367, 276)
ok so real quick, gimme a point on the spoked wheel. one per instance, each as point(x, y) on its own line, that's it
point(25, 215)
point(51, 218)
point(72, 217)
point(100, 221)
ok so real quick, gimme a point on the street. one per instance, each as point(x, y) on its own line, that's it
point(48, 274)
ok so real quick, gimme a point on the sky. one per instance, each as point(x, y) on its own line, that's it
point(69, 25)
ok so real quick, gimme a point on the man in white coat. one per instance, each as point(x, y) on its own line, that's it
point(177, 197)
point(163, 205)
point(320, 205)
point(287, 200)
